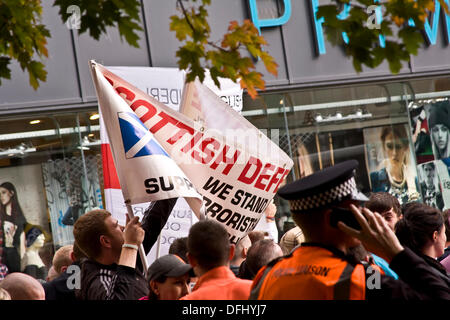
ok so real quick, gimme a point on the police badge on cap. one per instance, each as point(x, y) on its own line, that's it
point(323, 188)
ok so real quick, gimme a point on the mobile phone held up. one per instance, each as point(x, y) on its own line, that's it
point(346, 216)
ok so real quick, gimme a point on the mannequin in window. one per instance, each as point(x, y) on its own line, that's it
point(34, 266)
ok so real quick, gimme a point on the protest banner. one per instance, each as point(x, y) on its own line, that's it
point(165, 85)
point(237, 170)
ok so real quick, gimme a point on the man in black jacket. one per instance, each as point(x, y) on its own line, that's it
point(64, 285)
point(111, 272)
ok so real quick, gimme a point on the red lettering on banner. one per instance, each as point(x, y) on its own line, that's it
point(274, 179)
point(243, 177)
point(264, 175)
point(151, 110)
point(208, 152)
point(222, 158)
point(192, 143)
point(165, 119)
point(281, 180)
point(109, 80)
point(180, 133)
point(129, 95)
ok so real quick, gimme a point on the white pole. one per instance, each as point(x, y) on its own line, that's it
point(141, 247)
point(158, 245)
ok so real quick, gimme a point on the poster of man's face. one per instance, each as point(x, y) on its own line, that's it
point(430, 185)
point(439, 125)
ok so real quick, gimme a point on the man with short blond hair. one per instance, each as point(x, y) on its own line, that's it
point(240, 254)
point(62, 259)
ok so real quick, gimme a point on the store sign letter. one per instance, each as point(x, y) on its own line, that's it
point(432, 31)
point(320, 40)
point(269, 22)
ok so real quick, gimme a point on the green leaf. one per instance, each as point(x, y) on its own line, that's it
point(412, 39)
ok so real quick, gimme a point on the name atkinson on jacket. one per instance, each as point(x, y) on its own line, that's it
point(303, 269)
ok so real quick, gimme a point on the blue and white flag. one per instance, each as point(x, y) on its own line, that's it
point(145, 170)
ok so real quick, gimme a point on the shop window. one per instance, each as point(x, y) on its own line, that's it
point(430, 126)
point(50, 173)
point(372, 124)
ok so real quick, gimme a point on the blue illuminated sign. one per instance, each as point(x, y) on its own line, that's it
point(269, 22)
point(430, 31)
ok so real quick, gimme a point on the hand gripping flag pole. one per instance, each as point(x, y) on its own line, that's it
point(141, 247)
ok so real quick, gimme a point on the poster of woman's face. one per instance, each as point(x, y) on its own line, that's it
point(390, 162)
point(28, 185)
point(439, 125)
point(22, 203)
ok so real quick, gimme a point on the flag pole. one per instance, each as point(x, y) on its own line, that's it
point(141, 247)
point(158, 247)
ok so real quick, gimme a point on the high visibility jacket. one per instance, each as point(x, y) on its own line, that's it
point(311, 272)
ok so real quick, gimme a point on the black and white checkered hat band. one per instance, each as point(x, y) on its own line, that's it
point(322, 199)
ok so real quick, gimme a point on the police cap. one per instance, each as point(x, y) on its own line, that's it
point(323, 188)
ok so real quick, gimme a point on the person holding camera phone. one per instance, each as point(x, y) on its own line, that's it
point(326, 206)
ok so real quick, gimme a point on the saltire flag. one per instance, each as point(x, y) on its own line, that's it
point(221, 156)
point(138, 158)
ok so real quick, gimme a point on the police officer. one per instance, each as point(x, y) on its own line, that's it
point(325, 205)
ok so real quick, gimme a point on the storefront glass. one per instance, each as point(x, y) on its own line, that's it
point(51, 166)
point(370, 123)
point(50, 174)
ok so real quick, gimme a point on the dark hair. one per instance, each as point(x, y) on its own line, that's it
point(396, 131)
point(255, 236)
point(260, 254)
point(447, 223)
point(208, 243)
point(16, 210)
point(179, 247)
point(419, 223)
point(88, 229)
point(382, 202)
point(151, 294)
point(429, 164)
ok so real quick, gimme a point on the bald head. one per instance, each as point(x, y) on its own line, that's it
point(21, 286)
point(240, 253)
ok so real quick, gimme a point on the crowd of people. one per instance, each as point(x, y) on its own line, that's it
point(345, 246)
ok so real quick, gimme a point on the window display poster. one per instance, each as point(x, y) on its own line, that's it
point(70, 193)
point(390, 162)
point(420, 134)
point(430, 184)
point(438, 116)
point(443, 173)
point(22, 203)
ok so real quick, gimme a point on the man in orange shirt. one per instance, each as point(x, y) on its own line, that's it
point(209, 253)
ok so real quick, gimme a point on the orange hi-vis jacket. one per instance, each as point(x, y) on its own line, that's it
point(311, 272)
